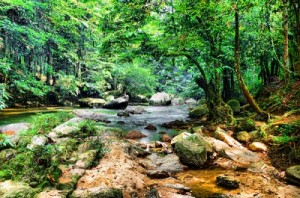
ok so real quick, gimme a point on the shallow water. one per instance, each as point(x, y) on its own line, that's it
point(155, 115)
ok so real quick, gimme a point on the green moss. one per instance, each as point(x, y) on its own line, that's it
point(44, 123)
point(234, 105)
point(87, 128)
point(199, 112)
point(246, 124)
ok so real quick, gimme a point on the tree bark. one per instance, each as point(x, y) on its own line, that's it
point(240, 79)
point(286, 42)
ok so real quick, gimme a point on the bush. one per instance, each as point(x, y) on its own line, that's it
point(246, 124)
point(234, 105)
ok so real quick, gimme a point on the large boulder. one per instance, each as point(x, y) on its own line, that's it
point(293, 174)
point(177, 101)
point(193, 149)
point(191, 153)
point(91, 102)
point(191, 102)
point(118, 103)
point(90, 115)
point(16, 189)
point(13, 131)
point(243, 157)
point(160, 99)
point(67, 129)
point(180, 137)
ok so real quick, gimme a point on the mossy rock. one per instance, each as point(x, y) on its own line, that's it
point(101, 192)
point(234, 105)
point(190, 153)
point(199, 112)
point(11, 189)
point(246, 124)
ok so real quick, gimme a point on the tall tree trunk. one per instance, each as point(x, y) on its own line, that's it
point(286, 42)
point(240, 79)
point(219, 111)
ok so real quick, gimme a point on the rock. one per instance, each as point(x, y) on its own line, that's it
point(226, 164)
point(293, 174)
point(180, 137)
point(258, 146)
point(177, 101)
point(86, 159)
point(166, 138)
point(100, 191)
point(151, 127)
point(243, 136)
point(242, 156)
point(123, 114)
point(222, 135)
point(191, 102)
point(86, 114)
point(157, 174)
point(137, 110)
point(137, 151)
point(176, 124)
point(53, 194)
point(13, 129)
point(169, 163)
point(217, 145)
point(36, 141)
point(139, 99)
point(160, 99)
point(135, 135)
point(12, 189)
point(199, 112)
point(178, 187)
point(69, 128)
point(191, 153)
point(118, 103)
point(227, 182)
point(70, 177)
point(91, 102)
point(198, 130)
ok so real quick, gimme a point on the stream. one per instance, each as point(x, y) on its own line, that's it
point(202, 182)
point(155, 115)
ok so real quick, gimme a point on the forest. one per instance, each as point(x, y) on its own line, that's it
point(236, 61)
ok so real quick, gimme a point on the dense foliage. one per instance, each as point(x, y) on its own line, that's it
point(55, 51)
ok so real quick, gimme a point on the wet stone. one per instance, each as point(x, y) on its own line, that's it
point(227, 182)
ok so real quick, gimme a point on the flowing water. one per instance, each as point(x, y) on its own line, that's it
point(153, 115)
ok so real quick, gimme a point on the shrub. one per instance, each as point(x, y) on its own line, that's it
point(234, 105)
point(246, 124)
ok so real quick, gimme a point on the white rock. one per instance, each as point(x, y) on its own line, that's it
point(258, 146)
